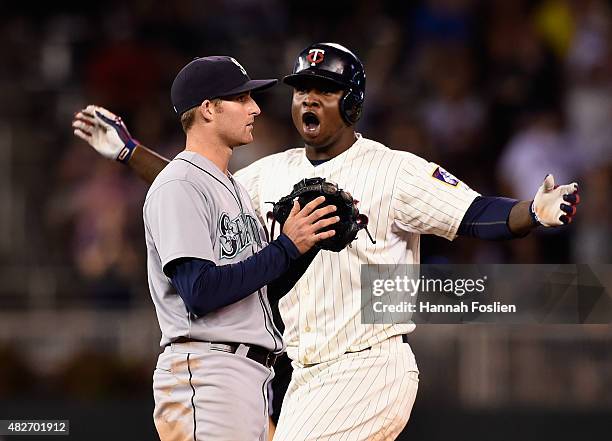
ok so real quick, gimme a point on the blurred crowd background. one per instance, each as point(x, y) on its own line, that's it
point(499, 92)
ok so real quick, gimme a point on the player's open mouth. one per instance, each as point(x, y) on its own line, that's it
point(311, 123)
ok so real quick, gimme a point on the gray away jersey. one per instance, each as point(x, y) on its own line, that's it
point(193, 210)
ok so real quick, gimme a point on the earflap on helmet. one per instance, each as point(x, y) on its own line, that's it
point(351, 106)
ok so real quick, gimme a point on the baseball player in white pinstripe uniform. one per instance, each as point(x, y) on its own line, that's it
point(353, 381)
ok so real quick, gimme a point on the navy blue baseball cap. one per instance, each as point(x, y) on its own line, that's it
point(207, 78)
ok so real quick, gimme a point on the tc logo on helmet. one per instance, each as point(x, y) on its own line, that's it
point(315, 56)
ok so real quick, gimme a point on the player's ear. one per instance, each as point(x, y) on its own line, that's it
point(207, 110)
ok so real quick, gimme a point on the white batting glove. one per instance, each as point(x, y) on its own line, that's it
point(555, 205)
point(105, 132)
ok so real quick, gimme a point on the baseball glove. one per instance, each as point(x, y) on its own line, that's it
point(351, 221)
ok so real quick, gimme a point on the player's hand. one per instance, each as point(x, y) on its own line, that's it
point(555, 205)
point(304, 226)
point(105, 132)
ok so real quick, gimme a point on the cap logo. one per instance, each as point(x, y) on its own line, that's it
point(233, 60)
point(315, 56)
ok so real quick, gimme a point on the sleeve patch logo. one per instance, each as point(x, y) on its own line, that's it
point(444, 176)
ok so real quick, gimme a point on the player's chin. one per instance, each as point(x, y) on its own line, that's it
point(243, 141)
point(248, 136)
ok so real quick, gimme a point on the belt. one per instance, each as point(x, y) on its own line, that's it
point(254, 352)
point(404, 340)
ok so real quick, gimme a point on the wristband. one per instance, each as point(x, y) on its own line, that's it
point(534, 216)
point(126, 152)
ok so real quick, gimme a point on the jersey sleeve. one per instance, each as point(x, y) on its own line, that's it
point(179, 220)
point(429, 200)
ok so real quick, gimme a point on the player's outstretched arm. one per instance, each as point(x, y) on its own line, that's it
point(109, 136)
point(146, 163)
point(498, 218)
point(553, 205)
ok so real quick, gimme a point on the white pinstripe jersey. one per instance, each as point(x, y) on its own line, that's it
point(403, 196)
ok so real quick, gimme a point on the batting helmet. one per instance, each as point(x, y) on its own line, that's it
point(333, 62)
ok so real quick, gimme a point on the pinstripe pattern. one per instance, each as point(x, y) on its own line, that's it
point(397, 192)
point(339, 390)
point(361, 396)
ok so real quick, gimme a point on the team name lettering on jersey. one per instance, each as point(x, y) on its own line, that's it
point(235, 235)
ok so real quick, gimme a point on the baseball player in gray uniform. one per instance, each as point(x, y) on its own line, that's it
point(208, 264)
point(354, 381)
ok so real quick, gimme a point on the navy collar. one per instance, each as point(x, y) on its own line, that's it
point(316, 162)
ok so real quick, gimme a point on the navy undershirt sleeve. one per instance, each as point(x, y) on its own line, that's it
point(206, 287)
point(487, 218)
